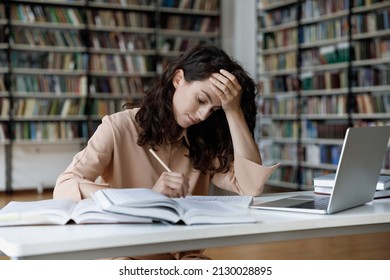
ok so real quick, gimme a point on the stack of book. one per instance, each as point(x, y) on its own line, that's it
point(324, 184)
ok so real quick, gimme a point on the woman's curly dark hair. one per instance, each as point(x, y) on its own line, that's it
point(210, 139)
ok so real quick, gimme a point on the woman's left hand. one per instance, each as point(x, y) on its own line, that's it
point(228, 89)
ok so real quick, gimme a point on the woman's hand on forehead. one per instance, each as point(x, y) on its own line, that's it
point(226, 86)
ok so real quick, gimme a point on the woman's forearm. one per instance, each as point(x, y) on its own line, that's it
point(243, 141)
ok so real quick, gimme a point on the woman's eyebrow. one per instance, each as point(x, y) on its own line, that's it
point(207, 95)
point(209, 98)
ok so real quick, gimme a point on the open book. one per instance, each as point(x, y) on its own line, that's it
point(191, 210)
point(60, 212)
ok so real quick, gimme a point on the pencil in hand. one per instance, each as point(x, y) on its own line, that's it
point(163, 164)
point(160, 160)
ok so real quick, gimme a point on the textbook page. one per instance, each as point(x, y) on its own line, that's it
point(147, 203)
point(212, 212)
point(87, 211)
point(233, 200)
point(60, 212)
point(123, 202)
point(36, 212)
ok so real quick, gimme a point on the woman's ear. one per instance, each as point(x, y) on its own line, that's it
point(178, 78)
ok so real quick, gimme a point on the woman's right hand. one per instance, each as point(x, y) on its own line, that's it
point(172, 184)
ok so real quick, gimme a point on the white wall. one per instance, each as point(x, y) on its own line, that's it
point(239, 23)
point(37, 166)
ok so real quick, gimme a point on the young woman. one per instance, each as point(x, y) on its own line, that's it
point(198, 117)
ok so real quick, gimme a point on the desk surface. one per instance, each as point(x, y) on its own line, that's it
point(102, 240)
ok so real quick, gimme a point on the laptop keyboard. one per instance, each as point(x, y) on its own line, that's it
point(316, 203)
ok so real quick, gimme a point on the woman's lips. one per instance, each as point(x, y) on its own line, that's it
point(191, 120)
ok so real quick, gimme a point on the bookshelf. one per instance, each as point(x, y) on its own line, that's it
point(122, 54)
point(185, 24)
point(318, 78)
point(64, 64)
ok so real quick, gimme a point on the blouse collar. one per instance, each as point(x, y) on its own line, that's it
point(184, 135)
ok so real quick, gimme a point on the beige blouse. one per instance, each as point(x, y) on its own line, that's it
point(113, 158)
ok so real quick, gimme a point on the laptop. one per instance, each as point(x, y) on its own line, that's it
point(357, 173)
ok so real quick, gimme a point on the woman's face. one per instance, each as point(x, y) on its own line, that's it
point(193, 102)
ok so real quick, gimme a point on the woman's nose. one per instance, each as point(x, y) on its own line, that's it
point(203, 114)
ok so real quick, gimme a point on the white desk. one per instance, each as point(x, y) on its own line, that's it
point(102, 241)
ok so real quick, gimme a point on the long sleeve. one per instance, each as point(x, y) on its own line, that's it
point(112, 158)
point(245, 177)
point(87, 165)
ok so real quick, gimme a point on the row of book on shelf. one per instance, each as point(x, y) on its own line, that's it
point(372, 21)
point(46, 38)
point(120, 63)
point(50, 131)
point(125, 63)
point(312, 154)
point(120, 42)
point(118, 18)
point(204, 5)
point(313, 9)
point(60, 86)
point(279, 16)
point(374, 47)
point(36, 107)
point(42, 14)
point(205, 24)
point(365, 103)
point(312, 129)
point(316, 8)
point(50, 84)
point(46, 107)
point(338, 79)
point(49, 60)
point(47, 130)
point(342, 52)
point(370, 75)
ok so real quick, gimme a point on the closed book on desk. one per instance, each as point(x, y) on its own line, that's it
point(328, 190)
point(60, 212)
point(328, 181)
point(191, 210)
